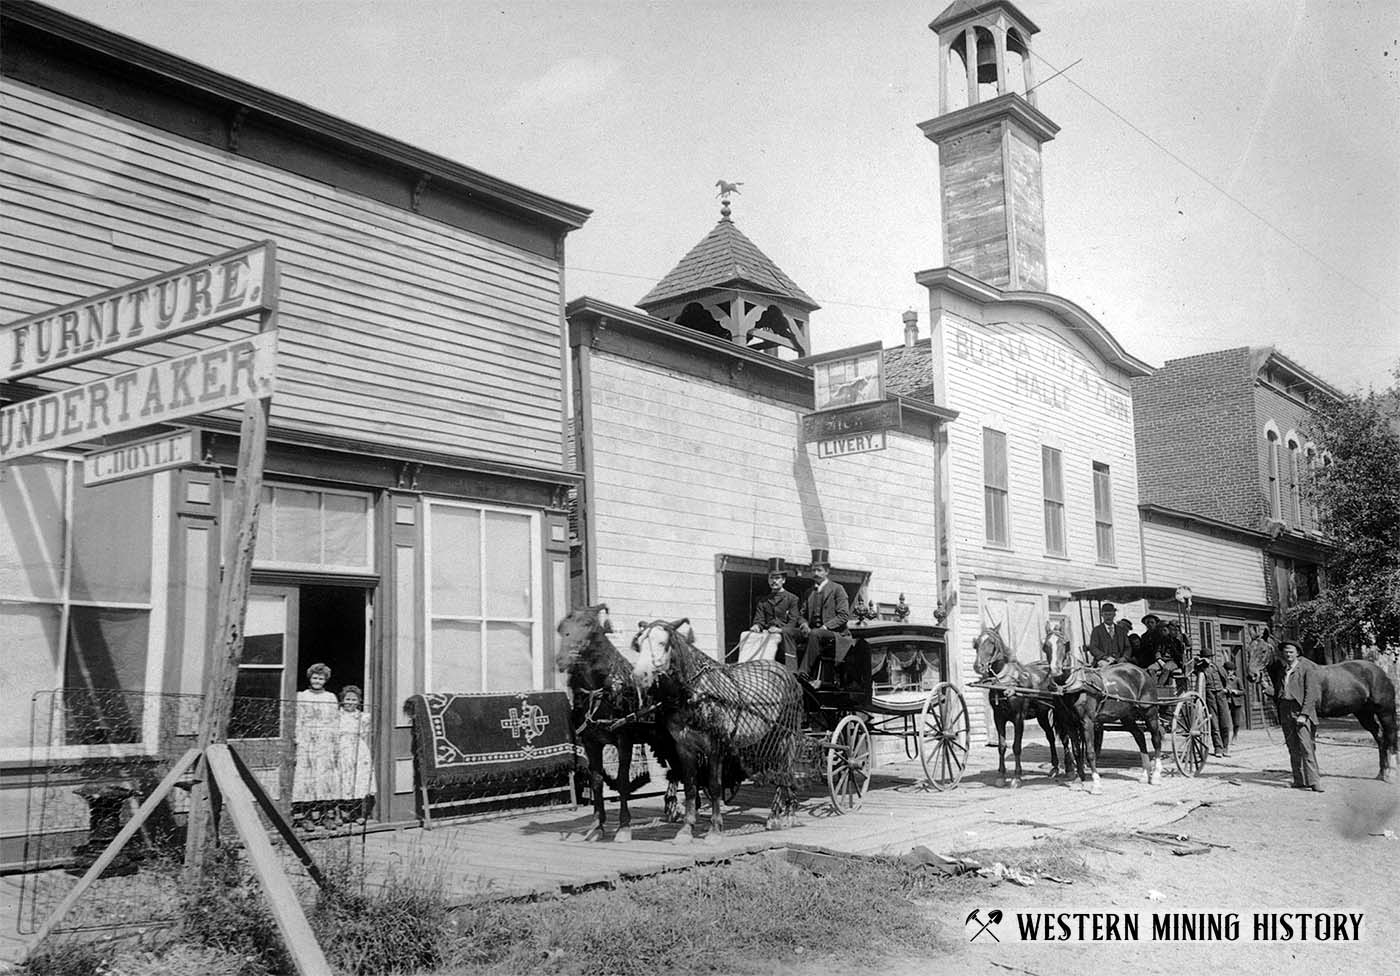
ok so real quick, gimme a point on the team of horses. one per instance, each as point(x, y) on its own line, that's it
point(714, 725)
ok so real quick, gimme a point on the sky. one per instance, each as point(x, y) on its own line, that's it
point(1226, 173)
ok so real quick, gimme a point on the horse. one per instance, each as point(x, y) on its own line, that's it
point(1058, 652)
point(1359, 688)
point(608, 709)
point(1122, 693)
point(716, 713)
point(996, 662)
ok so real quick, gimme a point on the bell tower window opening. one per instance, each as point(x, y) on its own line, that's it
point(1018, 63)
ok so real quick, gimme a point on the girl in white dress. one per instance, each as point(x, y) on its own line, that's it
point(356, 779)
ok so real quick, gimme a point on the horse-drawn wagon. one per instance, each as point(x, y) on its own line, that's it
point(1086, 697)
point(891, 684)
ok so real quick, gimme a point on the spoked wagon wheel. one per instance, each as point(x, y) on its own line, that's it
point(945, 732)
point(1190, 734)
point(849, 759)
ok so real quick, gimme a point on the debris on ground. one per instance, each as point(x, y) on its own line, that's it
point(1051, 877)
point(1000, 872)
point(1387, 834)
point(1155, 895)
point(923, 857)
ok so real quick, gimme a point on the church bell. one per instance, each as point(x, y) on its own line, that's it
point(986, 61)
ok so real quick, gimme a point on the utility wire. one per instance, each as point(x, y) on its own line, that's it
point(1217, 187)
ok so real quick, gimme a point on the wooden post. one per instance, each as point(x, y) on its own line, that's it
point(233, 607)
point(286, 910)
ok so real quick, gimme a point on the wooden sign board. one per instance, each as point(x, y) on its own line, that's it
point(855, 444)
point(200, 382)
point(206, 293)
point(146, 456)
point(833, 424)
point(848, 377)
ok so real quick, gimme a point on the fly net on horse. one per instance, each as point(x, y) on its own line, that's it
point(753, 710)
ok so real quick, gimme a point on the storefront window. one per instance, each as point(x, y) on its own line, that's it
point(75, 603)
point(484, 599)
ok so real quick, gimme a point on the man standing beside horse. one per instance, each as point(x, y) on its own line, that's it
point(1297, 713)
point(778, 613)
point(827, 611)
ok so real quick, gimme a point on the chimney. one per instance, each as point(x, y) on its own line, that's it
point(911, 328)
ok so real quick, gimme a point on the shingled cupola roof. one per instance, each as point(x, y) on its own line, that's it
point(727, 287)
point(723, 259)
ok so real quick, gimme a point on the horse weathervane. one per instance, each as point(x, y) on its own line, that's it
point(725, 189)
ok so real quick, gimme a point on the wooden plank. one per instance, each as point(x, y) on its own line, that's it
point(233, 607)
point(127, 832)
point(286, 910)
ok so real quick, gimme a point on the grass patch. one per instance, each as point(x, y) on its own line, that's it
point(741, 917)
point(735, 918)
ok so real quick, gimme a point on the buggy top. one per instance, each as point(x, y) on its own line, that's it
point(1132, 593)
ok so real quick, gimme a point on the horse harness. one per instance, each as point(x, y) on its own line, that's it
point(596, 698)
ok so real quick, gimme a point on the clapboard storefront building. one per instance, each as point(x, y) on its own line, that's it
point(413, 532)
point(689, 419)
point(1042, 472)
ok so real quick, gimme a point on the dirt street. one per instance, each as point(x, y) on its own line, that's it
point(1281, 851)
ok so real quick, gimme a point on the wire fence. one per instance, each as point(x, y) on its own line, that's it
point(96, 755)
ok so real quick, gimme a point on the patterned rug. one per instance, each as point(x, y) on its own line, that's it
point(519, 741)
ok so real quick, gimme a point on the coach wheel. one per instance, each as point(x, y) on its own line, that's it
point(849, 759)
point(945, 733)
point(1190, 734)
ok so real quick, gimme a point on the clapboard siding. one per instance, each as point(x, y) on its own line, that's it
point(1040, 386)
point(393, 329)
point(1219, 568)
point(684, 470)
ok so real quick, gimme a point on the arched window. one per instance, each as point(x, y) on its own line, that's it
point(1275, 499)
point(1295, 480)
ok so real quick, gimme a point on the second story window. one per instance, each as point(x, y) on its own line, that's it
point(994, 487)
point(1295, 481)
point(1053, 481)
point(1275, 490)
point(1103, 513)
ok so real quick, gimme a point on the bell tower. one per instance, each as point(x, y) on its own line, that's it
point(989, 133)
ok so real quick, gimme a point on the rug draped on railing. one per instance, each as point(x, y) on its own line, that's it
point(498, 743)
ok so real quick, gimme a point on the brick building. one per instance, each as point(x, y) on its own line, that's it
point(1224, 452)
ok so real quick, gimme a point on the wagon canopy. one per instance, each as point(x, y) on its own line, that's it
point(1126, 593)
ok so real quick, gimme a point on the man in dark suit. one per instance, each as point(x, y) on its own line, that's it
point(1107, 643)
point(827, 610)
point(778, 613)
point(1297, 713)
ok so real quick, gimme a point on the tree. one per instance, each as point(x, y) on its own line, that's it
point(1357, 492)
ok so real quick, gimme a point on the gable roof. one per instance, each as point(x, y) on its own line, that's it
point(726, 258)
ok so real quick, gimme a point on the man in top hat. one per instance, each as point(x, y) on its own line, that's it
point(778, 613)
point(1108, 644)
point(827, 610)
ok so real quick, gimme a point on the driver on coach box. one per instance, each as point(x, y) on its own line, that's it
point(778, 613)
point(1107, 643)
point(827, 610)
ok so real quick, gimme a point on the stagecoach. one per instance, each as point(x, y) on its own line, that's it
point(1190, 722)
point(892, 683)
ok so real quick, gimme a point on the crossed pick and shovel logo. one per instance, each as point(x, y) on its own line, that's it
point(974, 919)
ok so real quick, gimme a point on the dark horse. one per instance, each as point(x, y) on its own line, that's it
point(1121, 693)
point(715, 714)
point(997, 663)
point(1359, 688)
point(608, 709)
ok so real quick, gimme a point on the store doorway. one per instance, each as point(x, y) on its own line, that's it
point(331, 630)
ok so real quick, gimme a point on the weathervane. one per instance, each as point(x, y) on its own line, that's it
point(726, 188)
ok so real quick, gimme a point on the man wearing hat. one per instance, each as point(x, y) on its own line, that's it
point(1107, 643)
point(778, 613)
point(827, 610)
